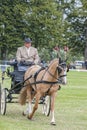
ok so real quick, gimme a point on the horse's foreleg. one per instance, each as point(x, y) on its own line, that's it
point(52, 108)
point(37, 97)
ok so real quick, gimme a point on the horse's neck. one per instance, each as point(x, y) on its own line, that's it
point(52, 69)
point(53, 73)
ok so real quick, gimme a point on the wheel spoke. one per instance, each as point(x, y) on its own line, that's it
point(46, 106)
point(3, 101)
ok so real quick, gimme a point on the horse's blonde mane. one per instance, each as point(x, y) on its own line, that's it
point(53, 61)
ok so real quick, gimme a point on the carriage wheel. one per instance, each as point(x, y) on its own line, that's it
point(47, 105)
point(2, 101)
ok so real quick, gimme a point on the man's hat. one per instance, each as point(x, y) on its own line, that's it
point(27, 40)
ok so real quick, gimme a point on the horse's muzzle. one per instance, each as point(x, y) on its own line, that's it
point(64, 83)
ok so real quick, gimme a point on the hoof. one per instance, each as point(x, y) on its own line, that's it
point(29, 118)
point(53, 123)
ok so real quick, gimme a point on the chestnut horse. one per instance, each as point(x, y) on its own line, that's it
point(40, 82)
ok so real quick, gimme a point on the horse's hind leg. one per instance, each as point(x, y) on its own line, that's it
point(37, 97)
point(29, 106)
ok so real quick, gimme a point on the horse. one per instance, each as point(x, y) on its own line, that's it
point(40, 82)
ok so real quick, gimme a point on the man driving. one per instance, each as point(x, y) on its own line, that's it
point(27, 53)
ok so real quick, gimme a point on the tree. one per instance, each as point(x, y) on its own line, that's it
point(12, 25)
point(44, 22)
point(37, 19)
point(48, 23)
point(75, 32)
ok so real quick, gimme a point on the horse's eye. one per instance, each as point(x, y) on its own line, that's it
point(59, 70)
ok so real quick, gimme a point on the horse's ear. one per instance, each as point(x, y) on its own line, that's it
point(57, 55)
point(60, 60)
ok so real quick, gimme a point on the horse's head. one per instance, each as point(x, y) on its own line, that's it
point(62, 70)
point(58, 69)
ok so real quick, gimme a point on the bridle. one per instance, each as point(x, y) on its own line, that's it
point(59, 68)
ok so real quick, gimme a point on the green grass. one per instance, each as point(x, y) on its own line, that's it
point(70, 109)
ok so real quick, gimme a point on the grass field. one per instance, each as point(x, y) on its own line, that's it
point(70, 109)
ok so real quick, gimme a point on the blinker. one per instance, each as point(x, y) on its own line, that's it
point(59, 70)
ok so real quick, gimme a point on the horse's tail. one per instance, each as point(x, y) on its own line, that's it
point(23, 96)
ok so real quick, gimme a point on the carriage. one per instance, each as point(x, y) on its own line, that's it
point(17, 83)
point(35, 82)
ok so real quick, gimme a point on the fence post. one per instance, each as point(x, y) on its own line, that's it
point(0, 98)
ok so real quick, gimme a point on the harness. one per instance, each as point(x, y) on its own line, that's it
point(58, 81)
point(44, 81)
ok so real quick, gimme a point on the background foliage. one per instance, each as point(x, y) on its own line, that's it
point(48, 23)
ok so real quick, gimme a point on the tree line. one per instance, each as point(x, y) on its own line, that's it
point(48, 23)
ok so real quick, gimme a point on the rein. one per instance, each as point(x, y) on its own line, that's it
point(55, 77)
point(44, 81)
point(51, 74)
point(41, 81)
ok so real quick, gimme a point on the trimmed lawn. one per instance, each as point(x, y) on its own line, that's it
point(70, 108)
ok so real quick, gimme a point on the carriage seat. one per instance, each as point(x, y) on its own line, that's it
point(24, 65)
point(17, 76)
point(19, 70)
